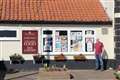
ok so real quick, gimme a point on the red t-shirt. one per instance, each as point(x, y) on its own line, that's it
point(98, 47)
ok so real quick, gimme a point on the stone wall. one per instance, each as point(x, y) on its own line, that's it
point(117, 31)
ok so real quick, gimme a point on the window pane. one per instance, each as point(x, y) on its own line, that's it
point(47, 41)
point(47, 32)
point(61, 41)
point(76, 40)
point(89, 44)
point(89, 32)
point(7, 33)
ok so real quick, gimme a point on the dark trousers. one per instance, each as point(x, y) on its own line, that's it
point(99, 61)
point(2, 75)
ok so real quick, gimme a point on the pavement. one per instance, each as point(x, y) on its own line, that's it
point(93, 75)
point(22, 75)
point(77, 75)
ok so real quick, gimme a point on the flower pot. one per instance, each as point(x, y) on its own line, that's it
point(39, 59)
point(60, 57)
point(17, 59)
point(80, 57)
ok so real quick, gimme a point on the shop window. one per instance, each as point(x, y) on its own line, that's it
point(79, 40)
point(47, 41)
point(61, 41)
point(76, 41)
point(8, 33)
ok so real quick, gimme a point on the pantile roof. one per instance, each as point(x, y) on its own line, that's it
point(52, 10)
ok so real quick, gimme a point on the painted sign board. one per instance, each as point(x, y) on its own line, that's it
point(29, 41)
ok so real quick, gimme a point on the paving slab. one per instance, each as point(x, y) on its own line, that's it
point(93, 75)
point(59, 74)
point(22, 74)
point(77, 75)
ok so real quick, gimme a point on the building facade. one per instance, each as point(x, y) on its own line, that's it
point(32, 27)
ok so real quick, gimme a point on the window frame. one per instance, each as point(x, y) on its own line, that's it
point(89, 36)
point(69, 52)
point(11, 38)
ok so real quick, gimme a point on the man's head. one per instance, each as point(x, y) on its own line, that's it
point(97, 40)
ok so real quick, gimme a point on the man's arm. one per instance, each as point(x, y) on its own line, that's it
point(102, 49)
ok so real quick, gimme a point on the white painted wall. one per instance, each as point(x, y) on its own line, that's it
point(108, 7)
point(11, 47)
point(108, 41)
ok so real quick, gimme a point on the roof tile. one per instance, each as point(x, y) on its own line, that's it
point(52, 10)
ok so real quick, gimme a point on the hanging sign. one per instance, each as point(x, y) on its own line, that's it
point(29, 42)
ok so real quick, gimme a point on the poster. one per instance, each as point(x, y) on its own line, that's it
point(61, 40)
point(89, 44)
point(29, 42)
point(76, 41)
point(79, 36)
point(47, 41)
point(73, 36)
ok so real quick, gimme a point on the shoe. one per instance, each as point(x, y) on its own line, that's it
point(97, 69)
point(102, 69)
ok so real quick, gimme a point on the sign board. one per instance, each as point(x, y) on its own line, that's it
point(29, 41)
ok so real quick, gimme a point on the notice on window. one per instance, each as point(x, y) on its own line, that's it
point(89, 43)
point(76, 41)
point(61, 41)
point(29, 42)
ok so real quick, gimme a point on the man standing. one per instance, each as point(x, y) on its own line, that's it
point(99, 48)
